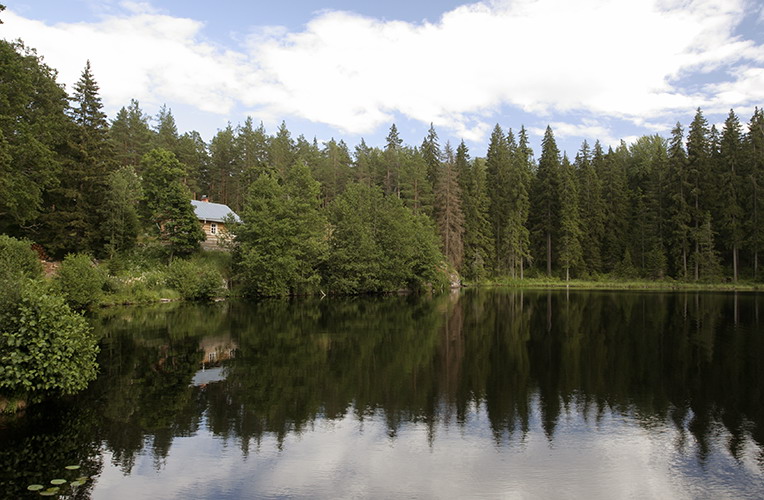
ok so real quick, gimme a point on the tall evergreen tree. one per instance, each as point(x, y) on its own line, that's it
point(122, 223)
point(225, 168)
point(592, 209)
point(166, 131)
point(281, 150)
point(431, 154)
point(699, 169)
point(679, 219)
point(546, 198)
point(78, 204)
point(475, 205)
point(730, 186)
point(498, 174)
point(448, 210)
point(392, 162)
point(416, 189)
point(131, 135)
point(754, 199)
point(570, 252)
point(612, 171)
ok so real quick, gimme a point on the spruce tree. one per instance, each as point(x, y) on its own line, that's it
point(416, 189)
point(730, 187)
point(225, 168)
point(498, 176)
point(754, 198)
point(699, 170)
point(476, 206)
point(679, 218)
point(392, 162)
point(432, 155)
point(166, 131)
point(448, 210)
point(546, 199)
point(611, 169)
point(570, 252)
point(592, 209)
point(281, 150)
point(131, 135)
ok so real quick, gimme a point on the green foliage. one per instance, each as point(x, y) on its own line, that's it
point(167, 203)
point(121, 224)
point(81, 281)
point(45, 347)
point(282, 240)
point(194, 281)
point(17, 259)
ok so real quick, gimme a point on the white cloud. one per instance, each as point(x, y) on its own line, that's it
point(618, 59)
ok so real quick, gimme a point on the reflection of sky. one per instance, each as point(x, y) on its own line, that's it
point(607, 457)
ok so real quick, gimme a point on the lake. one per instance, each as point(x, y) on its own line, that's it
point(482, 393)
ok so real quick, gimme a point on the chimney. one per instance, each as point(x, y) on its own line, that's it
point(205, 199)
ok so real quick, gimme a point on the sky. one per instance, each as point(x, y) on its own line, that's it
point(591, 69)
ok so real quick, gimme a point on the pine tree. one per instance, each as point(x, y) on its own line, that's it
point(699, 169)
point(475, 205)
point(225, 168)
point(754, 199)
point(546, 199)
point(432, 155)
point(592, 209)
point(334, 171)
point(131, 135)
point(416, 189)
point(612, 171)
point(448, 210)
point(730, 186)
point(498, 174)
point(679, 209)
point(78, 204)
point(166, 131)
point(281, 150)
point(570, 252)
point(392, 162)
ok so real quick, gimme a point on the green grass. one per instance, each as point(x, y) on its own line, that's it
point(616, 284)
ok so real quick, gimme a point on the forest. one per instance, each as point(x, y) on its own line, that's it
point(327, 217)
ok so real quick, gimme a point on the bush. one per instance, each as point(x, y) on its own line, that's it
point(81, 281)
point(194, 281)
point(45, 347)
point(18, 259)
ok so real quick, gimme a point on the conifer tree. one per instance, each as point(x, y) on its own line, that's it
point(225, 168)
point(122, 224)
point(679, 208)
point(281, 150)
point(416, 189)
point(475, 205)
point(78, 204)
point(334, 170)
point(570, 253)
point(699, 170)
point(392, 159)
point(498, 175)
point(754, 199)
point(612, 170)
point(546, 198)
point(166, 131)
point(131, 135)
point(432, 155)
point(252, 147)
point(448, 210)
point(592, 209)
point(730, 186)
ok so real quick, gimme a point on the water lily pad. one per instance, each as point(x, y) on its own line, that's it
point(83, 478)
point(58, 481)
point(35, 487)
point(72, 467)
point(49, 492)
point(74, 484)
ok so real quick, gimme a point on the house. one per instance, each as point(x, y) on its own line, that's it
point(214, 217)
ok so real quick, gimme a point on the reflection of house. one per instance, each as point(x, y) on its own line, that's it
point(214, 217)
point(217, 349)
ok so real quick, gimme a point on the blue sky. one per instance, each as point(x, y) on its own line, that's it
point(593, 69)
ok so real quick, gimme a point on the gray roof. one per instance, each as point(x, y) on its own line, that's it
point(213, 212)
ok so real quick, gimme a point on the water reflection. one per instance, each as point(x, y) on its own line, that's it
point(679, 368)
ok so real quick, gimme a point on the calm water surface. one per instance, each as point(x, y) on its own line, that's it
point(484, 393)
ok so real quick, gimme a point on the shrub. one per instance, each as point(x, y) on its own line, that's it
point(194, 281)
point(45, 347)
point(80, 280)
point(18, 259)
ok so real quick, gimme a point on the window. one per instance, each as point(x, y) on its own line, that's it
point(213, 228)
